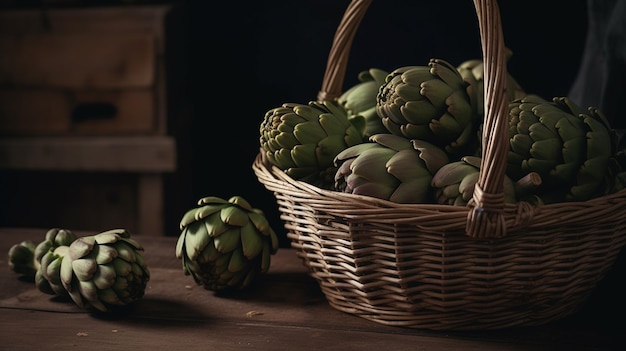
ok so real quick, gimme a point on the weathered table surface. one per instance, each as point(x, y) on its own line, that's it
point(283, 311)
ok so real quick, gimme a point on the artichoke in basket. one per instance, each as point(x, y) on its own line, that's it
point(360, 99)
point(49, 254)
point(616, 179)
point(303, 140)
point(568, 147)
point(430, 103)
point(473, 73)
point(225, 244)
point(454, 183)
point(390, 167)
point(105, 271)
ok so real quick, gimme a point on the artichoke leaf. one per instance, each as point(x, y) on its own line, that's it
point(418, 112)
point(122, 267)
point(309, 132)
point(104, 254)
point(406, 166)
point(104, 277)
point(109, 236)
point(416, 191)
point(543, 167)
point(228, 241)
point(436, 91)
point(84, 268)
point(408, 92)
point(81, 247)
point(547, 149)
point(260, 222)
point(251, 241)
point(234, 216)
point(304, 156)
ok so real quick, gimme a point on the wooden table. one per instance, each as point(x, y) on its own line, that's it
point(283, 311)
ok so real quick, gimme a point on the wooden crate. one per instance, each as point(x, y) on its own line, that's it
point(83, 92)
point(82, 71)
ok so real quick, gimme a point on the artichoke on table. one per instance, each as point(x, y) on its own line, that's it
point(49, 254)
point(105, 270)
point(21, 257)
point(225, 244)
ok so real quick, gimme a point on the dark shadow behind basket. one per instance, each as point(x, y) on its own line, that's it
point(489, 265)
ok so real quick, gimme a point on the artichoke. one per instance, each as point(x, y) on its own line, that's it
point(225, 245)
point(48, 277)
point(568, 147)
point(360, 99)
point(454, 182)
point(390, 167)
point(616, 179)
point(22, 258)
point(429, 103)
point(48, 259)
point(105, 270)
point(473, 73)
point(303, 140)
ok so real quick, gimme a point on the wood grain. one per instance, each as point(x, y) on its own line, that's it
point(283, 310)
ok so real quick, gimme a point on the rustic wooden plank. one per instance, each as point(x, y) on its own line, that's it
point(35, 112)
point(80, 60)
point(120, 154)
point(81, 332)
point(97, 19)
point(133, 112)
point(283, 310)
point(150, 205)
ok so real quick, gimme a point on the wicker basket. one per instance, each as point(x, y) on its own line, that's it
point(489, 265)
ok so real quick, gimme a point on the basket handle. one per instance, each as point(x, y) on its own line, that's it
point(485, 217)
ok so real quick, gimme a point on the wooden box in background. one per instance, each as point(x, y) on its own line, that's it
point(97, 70)
point(83, 95)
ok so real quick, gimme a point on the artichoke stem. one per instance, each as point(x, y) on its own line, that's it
point(527, 184)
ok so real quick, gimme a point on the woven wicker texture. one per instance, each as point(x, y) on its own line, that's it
point(488, 265)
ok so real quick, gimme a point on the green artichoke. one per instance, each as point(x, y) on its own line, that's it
point(454, 182)
point(47, 277)
point(303, 140)
point(473, 73)
point(430, 103)
point(360, 99)
point(616, 179)
point(390, 167)
point(105, 270)
point(22, 258)
point(568, 147)
point(225, 245)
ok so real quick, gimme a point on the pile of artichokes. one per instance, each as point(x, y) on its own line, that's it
point(413, 135)
point(100, 272)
